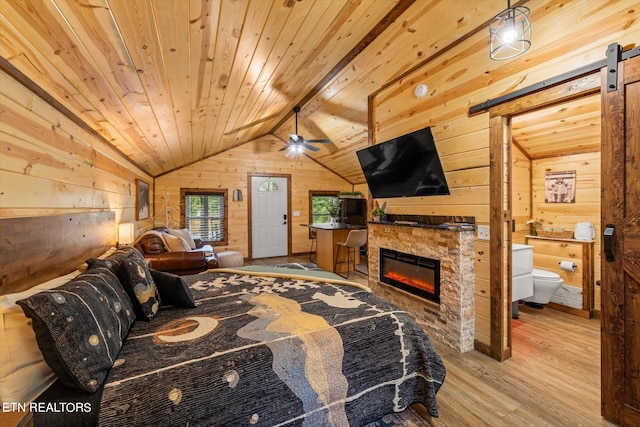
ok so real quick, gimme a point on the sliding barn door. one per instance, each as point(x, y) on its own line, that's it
point(621, 243)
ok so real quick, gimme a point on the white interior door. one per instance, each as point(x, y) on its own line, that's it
point(269, 216)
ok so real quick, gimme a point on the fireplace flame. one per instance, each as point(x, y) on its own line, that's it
point(425, 286)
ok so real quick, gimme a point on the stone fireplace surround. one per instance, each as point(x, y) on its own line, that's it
point(452, 321)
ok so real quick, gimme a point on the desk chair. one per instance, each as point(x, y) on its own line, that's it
point(355, 240)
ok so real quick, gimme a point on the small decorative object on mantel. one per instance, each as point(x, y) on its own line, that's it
point(378, 211)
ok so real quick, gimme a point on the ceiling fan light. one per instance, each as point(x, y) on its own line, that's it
point(510, 32)
point(296, 149)
point(297, 144)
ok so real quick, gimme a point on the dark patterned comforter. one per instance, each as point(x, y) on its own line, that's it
point(271, 351)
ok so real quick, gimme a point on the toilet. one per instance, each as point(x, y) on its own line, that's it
point(545, 284)
point(532, 285)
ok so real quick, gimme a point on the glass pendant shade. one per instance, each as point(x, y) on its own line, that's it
point(510, 33)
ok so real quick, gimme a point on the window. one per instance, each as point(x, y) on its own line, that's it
point(205, 214)
point(268, 185)
point(319, 202)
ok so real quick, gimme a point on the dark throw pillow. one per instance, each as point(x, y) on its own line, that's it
point(137, 281)
point(80, 326)
point(114, 260)
point(173, 289)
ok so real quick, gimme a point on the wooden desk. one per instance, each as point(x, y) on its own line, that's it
point(327, 237)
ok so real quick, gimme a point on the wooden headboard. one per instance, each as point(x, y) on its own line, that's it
point(36, 249)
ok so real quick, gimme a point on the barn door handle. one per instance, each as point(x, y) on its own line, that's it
point(608, 242)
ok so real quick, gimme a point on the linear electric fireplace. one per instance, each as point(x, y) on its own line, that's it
point(411, 273)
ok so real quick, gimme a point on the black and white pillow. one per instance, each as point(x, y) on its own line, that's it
point(173, 289)
point(80, 326)
point(114, 261)
point(137, 281)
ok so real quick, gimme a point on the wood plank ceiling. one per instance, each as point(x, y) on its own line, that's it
point(171, 82)
point(569, 128)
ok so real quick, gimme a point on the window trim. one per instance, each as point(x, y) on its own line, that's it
point(312, 193)
point(184, 192)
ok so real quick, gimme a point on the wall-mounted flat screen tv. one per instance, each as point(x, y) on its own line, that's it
point(406, 166)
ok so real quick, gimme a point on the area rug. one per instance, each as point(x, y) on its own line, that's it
point(299, 266)
point(408, 418)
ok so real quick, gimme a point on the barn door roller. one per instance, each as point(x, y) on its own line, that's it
point(613, 57)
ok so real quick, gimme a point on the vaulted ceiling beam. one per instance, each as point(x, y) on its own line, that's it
point(380, 27)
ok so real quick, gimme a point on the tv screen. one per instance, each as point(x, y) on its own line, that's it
point(406, 166)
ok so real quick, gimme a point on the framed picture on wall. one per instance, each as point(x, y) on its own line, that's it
point(560, 187)
point(142, 200)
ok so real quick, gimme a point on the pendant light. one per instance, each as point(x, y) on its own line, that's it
point(510, 33)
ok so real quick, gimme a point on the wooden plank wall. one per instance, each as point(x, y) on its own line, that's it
point(54, 245)
point(49, 165)
point(521, 193)
point(229, 170)
point(571, 35)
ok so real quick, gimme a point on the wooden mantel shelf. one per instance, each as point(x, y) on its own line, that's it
point(452, 226)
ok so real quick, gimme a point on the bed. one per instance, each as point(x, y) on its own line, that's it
point(250, 346)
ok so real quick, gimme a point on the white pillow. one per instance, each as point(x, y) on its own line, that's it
point(24, 374)
point(184, 233)
point(176, 244)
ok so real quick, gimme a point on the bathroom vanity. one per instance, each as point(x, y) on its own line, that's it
point(549, 253)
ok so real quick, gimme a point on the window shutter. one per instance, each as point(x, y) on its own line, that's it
point(204, 216)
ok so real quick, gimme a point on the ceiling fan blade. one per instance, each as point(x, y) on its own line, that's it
point(284, 148)
point(309, 147)
point(318, 141)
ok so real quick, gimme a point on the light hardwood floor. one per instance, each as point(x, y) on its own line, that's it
point(552, 378)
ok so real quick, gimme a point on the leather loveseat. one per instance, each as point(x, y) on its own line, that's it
point(153, 247)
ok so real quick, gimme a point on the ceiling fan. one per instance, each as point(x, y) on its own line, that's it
point(297, 144)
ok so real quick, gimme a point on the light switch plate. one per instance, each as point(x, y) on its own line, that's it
point(483, 232)
point(296, 213)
